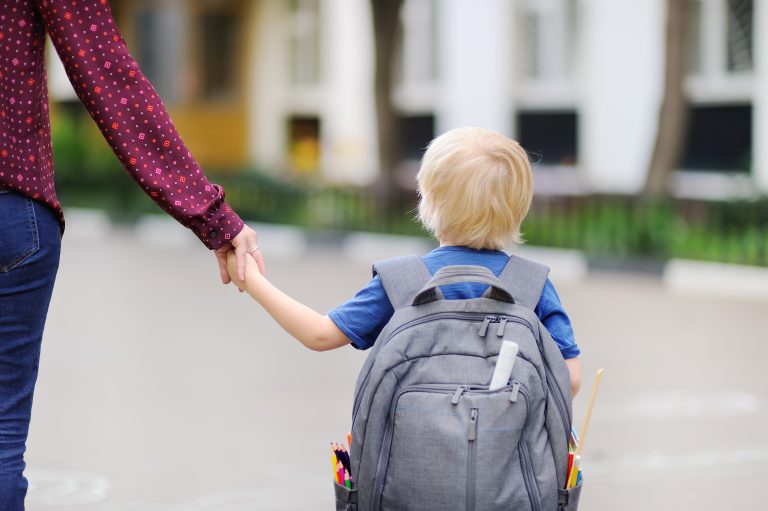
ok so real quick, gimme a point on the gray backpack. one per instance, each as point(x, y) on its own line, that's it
point(427, 434)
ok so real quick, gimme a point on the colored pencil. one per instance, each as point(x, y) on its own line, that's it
point(334, 461)
point(588, 416)
point(574, 472)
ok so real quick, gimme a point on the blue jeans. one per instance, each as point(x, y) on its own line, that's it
point(30, 242)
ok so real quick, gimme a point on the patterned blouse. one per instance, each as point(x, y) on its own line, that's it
point(120, 99)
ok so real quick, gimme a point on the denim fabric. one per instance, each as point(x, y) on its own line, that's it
point(30, 242)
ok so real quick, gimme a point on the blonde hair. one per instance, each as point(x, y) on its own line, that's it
point(475, 188)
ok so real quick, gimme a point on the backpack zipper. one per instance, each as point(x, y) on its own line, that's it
point(553, 389)
point(472, 458)
point(487, 321)
point(502, 326)
point(381, 473)
point(526, 467)
point(359, 396)
point(424, 319)
point(529, 477)
point(557, 395)
point(440, 388)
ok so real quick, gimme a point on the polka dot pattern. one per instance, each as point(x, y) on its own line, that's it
point(118, 97)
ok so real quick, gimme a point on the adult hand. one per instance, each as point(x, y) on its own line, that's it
point(243, 244)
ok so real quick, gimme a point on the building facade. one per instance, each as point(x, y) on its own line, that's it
point(287, 85)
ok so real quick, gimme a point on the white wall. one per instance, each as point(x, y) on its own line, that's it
point(348, 120)
point(267, 89)
point(617, 92)
point(621, 87)
point(760, 105)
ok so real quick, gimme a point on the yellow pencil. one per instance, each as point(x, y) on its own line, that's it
point(334, 461)
point(573, 476)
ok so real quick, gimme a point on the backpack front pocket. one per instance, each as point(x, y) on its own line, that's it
point(452, 447)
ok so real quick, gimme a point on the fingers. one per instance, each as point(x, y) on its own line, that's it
point(246, 243)
point(232, 269)
point(240, 254)
point(256, 254)
point(221, 258)
point(231, 260)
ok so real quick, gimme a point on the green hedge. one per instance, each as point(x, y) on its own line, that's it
point(624, 227)
point(88, 175)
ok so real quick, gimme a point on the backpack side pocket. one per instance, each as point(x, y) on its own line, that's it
point(346, 498)
point(569, 499)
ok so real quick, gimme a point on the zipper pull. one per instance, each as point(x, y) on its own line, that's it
point(502, 326)
point(484, 327)
point(472, 425)
point(515, 392)
point(458, 393)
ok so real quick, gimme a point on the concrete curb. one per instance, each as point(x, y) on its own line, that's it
point(565, 265)
point(716, 279)
point(571, 266)
point(289, 241)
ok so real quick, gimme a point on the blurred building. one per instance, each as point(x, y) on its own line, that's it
point(287, 84)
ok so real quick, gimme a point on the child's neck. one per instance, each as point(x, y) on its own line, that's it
point(452, 244)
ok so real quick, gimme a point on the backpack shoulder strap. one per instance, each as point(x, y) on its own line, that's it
point(525, 280)
point(402, 278)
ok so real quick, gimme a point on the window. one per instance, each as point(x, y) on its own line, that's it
point(719, 139)
point(416, 132)
point(551, 138)
point(304, 144)
point(720, 86)
point(739, 35)
point(163, 30)
point(219, 55)
point(416, 57)
point(530, 34)
point(304, 42)
point(158, 41)
point(547, 39)
point(721, 38)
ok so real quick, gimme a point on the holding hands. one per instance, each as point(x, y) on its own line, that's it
point(251, 270)
point(240, 247)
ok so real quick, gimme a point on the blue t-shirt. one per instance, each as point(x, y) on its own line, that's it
point(363, 317)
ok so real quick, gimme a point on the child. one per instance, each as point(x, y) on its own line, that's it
point(475, 189)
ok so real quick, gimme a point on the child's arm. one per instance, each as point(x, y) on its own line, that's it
point(574, 367)
point(314, 330)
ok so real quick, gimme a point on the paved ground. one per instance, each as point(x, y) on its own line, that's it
point(161, 390)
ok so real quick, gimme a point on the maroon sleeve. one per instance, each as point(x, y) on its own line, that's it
point(132, 118)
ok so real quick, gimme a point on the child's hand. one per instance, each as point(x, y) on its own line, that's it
point(251, 269)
